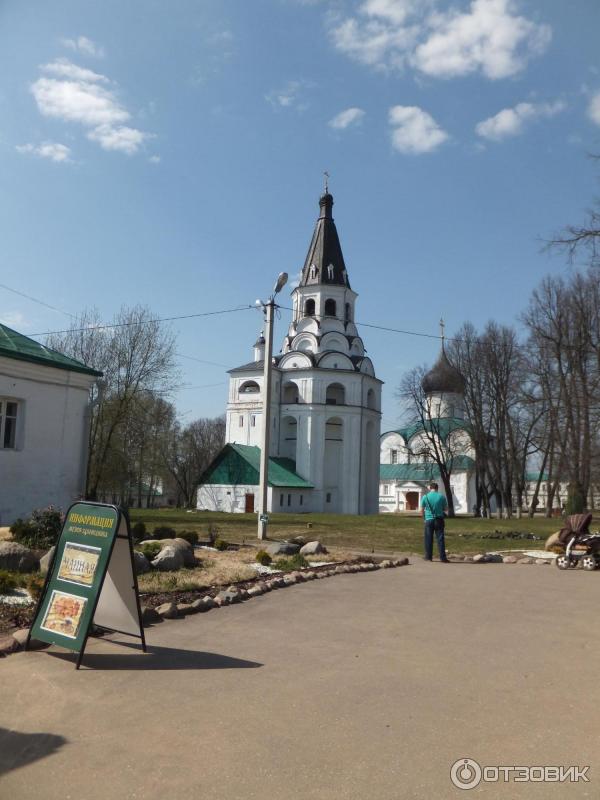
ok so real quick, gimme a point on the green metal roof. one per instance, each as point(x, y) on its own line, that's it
point(240, 464)
point(535, 476)
point(22, 348)
point(420, 471)
point(443, 427)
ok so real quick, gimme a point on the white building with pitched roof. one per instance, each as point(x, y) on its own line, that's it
point(326, 398)
point(44, 402)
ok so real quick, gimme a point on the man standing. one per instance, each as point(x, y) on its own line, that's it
point(433, 507)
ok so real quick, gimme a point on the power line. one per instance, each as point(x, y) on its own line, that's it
point(35, 300)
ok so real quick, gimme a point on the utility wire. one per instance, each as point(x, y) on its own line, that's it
point(35, 300)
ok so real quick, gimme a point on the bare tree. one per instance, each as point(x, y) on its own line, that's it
point(190, 451)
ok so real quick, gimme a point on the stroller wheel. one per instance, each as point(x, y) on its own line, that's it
point(589, 562)
point(562, 562)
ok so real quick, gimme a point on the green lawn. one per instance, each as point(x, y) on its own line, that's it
point(384, 532)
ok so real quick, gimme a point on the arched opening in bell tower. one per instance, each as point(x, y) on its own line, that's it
point(330, 308)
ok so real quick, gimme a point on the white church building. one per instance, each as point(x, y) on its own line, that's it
point(44, 420)
point(325, 403)
point(407, 465)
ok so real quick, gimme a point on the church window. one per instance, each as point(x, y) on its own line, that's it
point(309, 308)
point(393, 456)
point(313, 272)
point(335, 395)
point(241, 423)
point(289, 499)
point(348, 314)
point(386, 488)
point(328, 497)
point(253, 421)
point(9, 410)
point(330, 308)
point(280, 499)
point(249, 387)
point(301, 499)
point(330, 272)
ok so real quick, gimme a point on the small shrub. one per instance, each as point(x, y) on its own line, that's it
point(262, 557)
point(189, 536)
point(138, 532)
point(8, 581)
point(221, 544)
point(41, 530)
point(150, 550)
point(34, 583)
point(292, 563)
point(164, 532)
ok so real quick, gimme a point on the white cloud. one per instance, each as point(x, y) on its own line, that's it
point(594, 108)
point(290, 96)
point(489, 37)
point(53, 150)
point(414, 131)
point(84, 46)
point(118, 137)
point(512, 121)
point(350, 116)
point(75, 95)
point(154, 159)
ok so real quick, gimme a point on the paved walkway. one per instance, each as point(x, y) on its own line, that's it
point(359, 686)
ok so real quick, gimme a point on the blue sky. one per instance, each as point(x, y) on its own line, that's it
point(172, 155)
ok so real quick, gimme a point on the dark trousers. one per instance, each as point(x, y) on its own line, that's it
point(435, 526)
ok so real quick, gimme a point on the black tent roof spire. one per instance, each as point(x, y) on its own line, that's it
point(324, 262)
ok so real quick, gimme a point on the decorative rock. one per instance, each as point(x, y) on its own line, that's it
point(46, 560)
point(168, 560)
point(203, 604)
point(283, 549)
point(20, 637)
point(469, 559)
point(186, 608)
point(140, 562)
point(312, 549)
point(186, 549)
point(298, 540)
point(493, 558)
point(226, 597)
point(403, 562)
point(299, 576)
point(167, 610)
point(525, 560)
point(479, 558)
point(150, 616)
point(254, 591)
point(16, 558)
point(264, 586)
point(289, 580)
point(509, 560)
point(8, 645)
point(385, 564)
point(542, 561)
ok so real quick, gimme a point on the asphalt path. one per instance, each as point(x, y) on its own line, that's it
point(358, 686)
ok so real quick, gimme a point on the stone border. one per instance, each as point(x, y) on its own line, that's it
point(496, 558)
point(224, 597)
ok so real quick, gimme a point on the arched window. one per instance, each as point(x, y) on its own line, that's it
point(291, 393)
point(330, 272)
point(249, 387)
point(370, 399)
point(348, 313)
point(309, 308)
point(313, 272)
point(336, 394)
point(330, 308)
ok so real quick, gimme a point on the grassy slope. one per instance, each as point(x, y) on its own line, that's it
point(384, 532)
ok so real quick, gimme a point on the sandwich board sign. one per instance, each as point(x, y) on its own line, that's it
point(91, 580)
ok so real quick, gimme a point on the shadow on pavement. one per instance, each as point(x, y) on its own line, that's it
point(158, 658)
point(19, 749)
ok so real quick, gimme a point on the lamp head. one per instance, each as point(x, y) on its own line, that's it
point(281, 282)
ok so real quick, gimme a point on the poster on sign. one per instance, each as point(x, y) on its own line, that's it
point(91, 581)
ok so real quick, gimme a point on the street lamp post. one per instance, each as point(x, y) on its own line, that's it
point(268, 309)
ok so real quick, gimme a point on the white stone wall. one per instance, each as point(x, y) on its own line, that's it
point(232, 499)
point(49, 462)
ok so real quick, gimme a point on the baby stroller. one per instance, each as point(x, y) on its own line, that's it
point(580, 545)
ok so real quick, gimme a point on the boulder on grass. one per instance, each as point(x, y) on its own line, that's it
point(140, 563)
point(17, 558)
point(283, 549)
point(184, 547)
point(169, 559)
point(46, 560)
point(312, 549)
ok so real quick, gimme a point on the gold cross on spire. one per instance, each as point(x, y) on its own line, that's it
point(326, 174)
